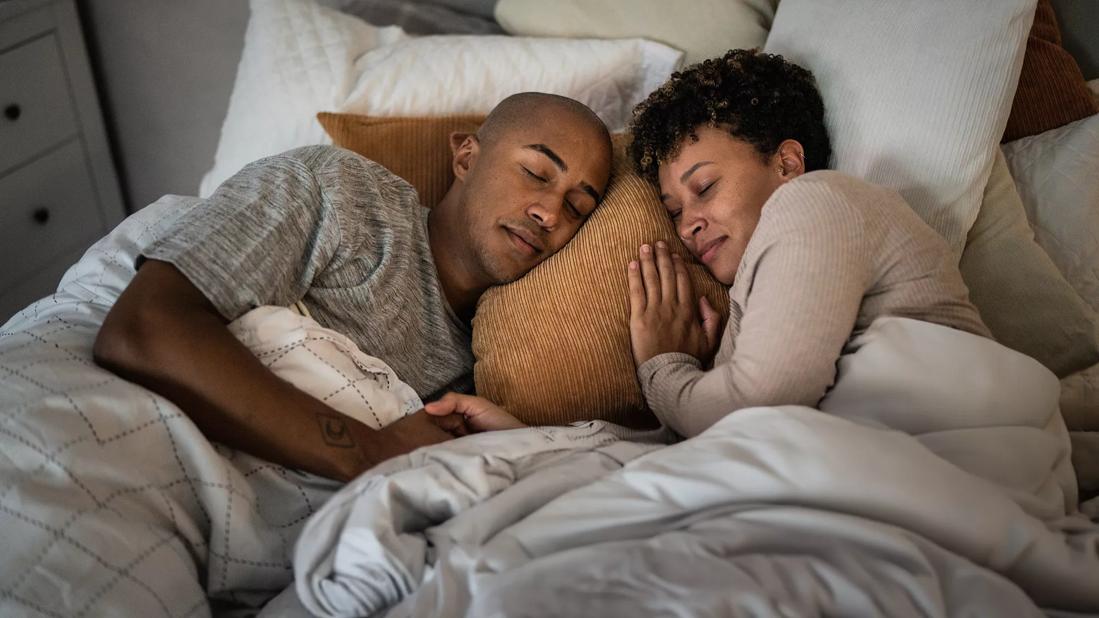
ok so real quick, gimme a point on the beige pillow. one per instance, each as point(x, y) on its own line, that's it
point(1022, 296)
point(554, 346)
point(705, 29)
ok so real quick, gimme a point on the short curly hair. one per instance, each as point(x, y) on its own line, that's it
point(760, 98)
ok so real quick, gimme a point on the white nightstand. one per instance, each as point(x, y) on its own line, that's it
point(58, 187)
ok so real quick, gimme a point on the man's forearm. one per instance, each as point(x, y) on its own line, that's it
point(233, 399)
point(163, 334)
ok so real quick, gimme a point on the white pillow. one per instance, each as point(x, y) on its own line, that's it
point(326, 365)
point(708, 29)
point(1056, 175)
point(916, 94)
point(301, 58)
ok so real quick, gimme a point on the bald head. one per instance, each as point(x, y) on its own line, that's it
point(523, 185)
point(525, 108)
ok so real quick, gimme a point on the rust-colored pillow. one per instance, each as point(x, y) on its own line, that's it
point(416, 149)
point(1052, 91)
point(554, 346)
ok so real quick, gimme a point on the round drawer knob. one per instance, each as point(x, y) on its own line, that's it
point(13, 111)
point(41, 215)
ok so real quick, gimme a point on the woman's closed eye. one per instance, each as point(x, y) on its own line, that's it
point(706, 188)
point(675, 214)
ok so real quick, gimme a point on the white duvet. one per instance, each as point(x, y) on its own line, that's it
point(935, 482)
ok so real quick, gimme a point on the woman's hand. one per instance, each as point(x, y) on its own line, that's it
point(664, 313)
point(479, 413)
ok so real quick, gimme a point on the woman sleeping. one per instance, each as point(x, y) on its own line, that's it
point(738, 148)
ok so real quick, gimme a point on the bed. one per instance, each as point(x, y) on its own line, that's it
point(891, 502)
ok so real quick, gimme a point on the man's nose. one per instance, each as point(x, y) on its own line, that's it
point(543, 215)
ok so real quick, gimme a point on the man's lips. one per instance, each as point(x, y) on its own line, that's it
point(709, 250)
point(524, 240)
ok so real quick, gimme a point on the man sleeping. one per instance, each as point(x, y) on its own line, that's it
point(351, 241)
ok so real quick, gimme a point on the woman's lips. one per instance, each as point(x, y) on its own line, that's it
point(709, 251)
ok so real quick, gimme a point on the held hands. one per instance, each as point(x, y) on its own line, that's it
point(402, 436)
point(664, 315)
point(452, 416)
point(464, 414)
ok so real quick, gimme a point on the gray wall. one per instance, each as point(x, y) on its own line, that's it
point(165, 69)
point(1079, 20)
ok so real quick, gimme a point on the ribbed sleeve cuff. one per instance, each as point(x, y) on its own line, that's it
point(649, 368)
point(653, 388)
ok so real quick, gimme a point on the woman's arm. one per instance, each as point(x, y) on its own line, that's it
point(807, 284)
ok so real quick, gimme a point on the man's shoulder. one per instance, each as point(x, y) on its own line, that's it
point(350, 180)
point(324, 158)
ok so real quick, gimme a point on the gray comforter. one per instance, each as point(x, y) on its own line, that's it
point(784, 511)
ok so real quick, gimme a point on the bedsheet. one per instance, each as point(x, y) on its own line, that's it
point(899, 500)
point(112, 503)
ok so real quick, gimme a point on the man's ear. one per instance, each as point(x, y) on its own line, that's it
point(464, 148)
point(790, 159)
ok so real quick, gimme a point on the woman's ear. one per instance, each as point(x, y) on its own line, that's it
point(790, 159)
point(464, 148)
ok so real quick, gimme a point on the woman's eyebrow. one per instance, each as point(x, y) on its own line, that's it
point(687, 174)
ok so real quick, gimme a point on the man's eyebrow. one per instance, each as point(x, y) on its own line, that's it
point(550, 154)
point(687, 174)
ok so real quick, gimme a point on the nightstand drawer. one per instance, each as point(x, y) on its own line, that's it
point(35, 105)
point(46, 208)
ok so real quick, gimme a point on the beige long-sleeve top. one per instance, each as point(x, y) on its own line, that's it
point(830, 254)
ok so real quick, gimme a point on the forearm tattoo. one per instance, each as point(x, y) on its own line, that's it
point(335, 431)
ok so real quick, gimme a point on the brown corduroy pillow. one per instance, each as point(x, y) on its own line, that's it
point(1052, 91)
point(416, 149)
point(554, 346)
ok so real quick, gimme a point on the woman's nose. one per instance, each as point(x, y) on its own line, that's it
point(689, 228)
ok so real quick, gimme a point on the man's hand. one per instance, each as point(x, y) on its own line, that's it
point(479, 414)
point(664, 315)
point(404, 436)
